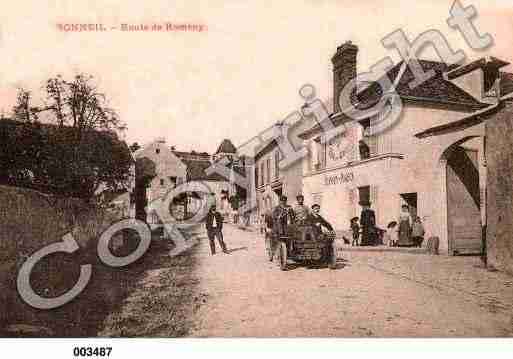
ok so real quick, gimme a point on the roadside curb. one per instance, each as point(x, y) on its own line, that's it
point(382, 249)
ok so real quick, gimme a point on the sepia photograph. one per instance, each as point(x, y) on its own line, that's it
point(256, 169)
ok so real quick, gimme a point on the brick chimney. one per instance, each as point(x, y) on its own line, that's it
point(344, 69)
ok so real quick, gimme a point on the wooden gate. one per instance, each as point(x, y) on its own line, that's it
point(463, 202)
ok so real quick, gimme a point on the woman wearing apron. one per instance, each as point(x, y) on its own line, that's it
point(405, 222)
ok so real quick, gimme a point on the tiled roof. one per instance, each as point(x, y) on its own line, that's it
point(506, 83)
point(435, 89)
point(196, 171)
point(192, 155)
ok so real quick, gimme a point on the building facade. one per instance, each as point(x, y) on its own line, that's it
point(442, 179)
point(172, 168)
point(271, 179)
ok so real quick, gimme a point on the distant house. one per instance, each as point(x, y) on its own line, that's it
point(169, 173)
point(220, 186)
point(173, 167)
point(170, 170)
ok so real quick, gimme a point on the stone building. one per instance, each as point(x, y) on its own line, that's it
point(271, 181)
point(440, 178)
point(498, 123)
point(174, 167)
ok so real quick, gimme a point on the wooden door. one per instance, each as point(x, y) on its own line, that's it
point(463, 203)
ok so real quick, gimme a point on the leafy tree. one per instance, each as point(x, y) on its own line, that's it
point(75, 151)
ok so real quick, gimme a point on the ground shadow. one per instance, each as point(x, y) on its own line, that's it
point(237, 249)
point(104, 294)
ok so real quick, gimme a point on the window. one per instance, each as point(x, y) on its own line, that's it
point(364, 150)
point(161, 181)
point(262, 177)
point(369, 142)
point(173, 181)
point(256, 176)
point(364, 194)
point(318, 155)
point(157, 151)
point(277, 164)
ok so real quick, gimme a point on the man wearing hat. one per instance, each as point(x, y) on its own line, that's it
point(282, 217)
point(368, 224)
point(214, 225)
point(318, 221)
point(301, 212)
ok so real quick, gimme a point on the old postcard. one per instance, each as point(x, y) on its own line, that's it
point(213, 169)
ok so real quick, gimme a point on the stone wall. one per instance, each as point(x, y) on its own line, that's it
point(29, 221)
point(499, 160)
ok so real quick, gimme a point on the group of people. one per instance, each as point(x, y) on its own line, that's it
point(284, 217)
point(365, 225)
point(408, 232)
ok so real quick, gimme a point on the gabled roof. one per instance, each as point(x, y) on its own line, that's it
point(226, 147)
point(196, 171)
point(200, 156)
point(506, 83)
point(436, 89)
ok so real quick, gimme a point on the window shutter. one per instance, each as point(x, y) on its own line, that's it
point(372, 142)
point(353, 202)
point(315, 154)
point(374, 200)
point(351, 143)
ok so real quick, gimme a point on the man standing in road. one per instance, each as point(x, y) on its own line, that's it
point(282, 217)
point(214, 225)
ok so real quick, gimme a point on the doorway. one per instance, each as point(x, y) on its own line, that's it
point(410, 199)
point(463, 201)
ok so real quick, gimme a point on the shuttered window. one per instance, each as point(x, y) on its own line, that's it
point(277, 164)
point(374, 200)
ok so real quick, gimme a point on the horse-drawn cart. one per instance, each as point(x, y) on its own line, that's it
point(304, 244)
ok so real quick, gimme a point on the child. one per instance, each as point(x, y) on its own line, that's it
point(417, 232)
point(356, 230)
point(392, 234)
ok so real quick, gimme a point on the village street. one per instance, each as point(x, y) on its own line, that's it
point(370, 294)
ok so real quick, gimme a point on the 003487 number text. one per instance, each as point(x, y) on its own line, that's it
point(90, 351)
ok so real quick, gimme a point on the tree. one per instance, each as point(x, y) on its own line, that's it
point(23, 111)
point(79, 104)
point(76, 151)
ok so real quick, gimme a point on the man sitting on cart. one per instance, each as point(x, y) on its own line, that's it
point(318, 221)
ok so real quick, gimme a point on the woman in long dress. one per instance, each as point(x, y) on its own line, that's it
point(405, 222)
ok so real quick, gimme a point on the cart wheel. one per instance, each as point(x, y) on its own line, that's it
point(282, 255)
point(268, 248)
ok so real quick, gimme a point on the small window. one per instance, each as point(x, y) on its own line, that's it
point(161, 181)
point(157, 151)
point(364, 150)
point(276, 164)
point(364, 194)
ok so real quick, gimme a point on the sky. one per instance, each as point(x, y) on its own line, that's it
point(233, 80)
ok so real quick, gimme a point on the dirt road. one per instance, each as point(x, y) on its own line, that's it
point(377, 294)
